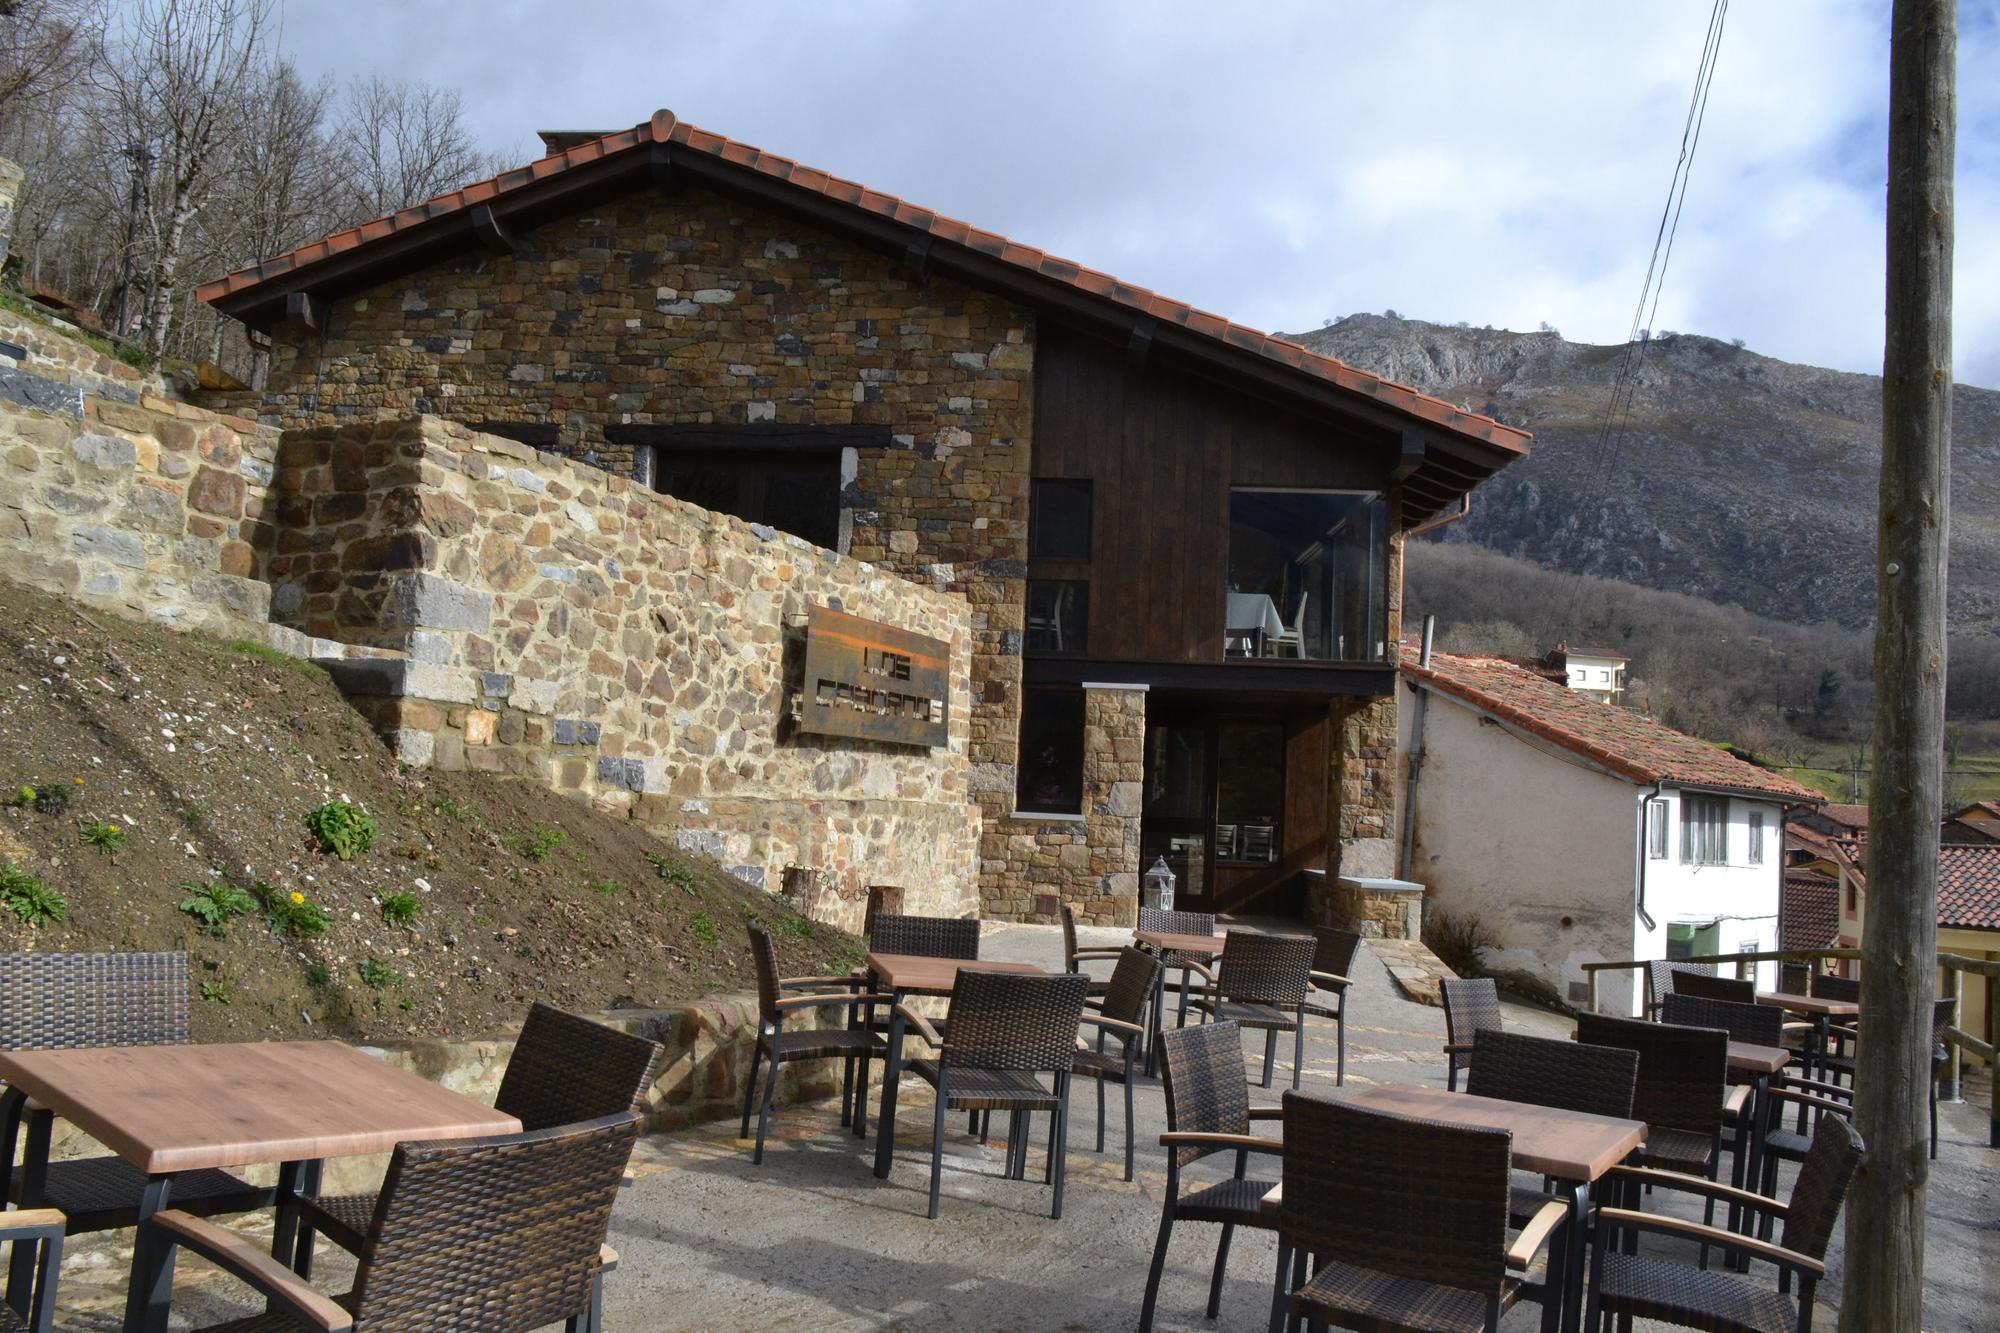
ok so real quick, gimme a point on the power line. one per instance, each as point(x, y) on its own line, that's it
point(1624, 386)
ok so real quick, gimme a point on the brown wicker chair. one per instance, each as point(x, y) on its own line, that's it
point(1261, 985)
point(1542, 1071)
point(1120, 1016)
point(1007, 1030)
point(852, 1045)
point(1646, 1287)
point(1404, 1220)
point(928, 936)
point(1813, 1098)
point(1827, 986)
point(1943, 1013)
point(1178, 923)
point(1737, 990)
point(1333, 963)
point(1747, 1021)
point(1075, 958)
point(1661, 976)
point(62, 1001)
point(1471, 1006)
point(564, 1069)
point(1209, 1111)
point(37, 1235)
point(501, 1234)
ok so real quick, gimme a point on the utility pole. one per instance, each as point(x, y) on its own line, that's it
point(141, 158)
point(1884, 1287)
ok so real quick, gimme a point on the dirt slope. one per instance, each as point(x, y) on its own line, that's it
point(208, 757)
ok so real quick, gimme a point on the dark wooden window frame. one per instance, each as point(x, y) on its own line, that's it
point(1023, 806)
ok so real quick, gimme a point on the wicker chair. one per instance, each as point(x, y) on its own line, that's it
point(1943, 1013)
point(564, 1069)
point(851, 1045)
point(1333, 961)
point(1120, 1017)
point(928, 936)
point(1262, 985)
point(1827, 986)
point(1074, 958)
point(1541, 1071)
point(1405, 1221)
point(1661, 976)
point(1813, 1098)
point(34, 1232)
point(1007, 1030)
point(1178, 923)
point(500, 1234)
point(1646, 1287)
point(1794, 978)
point(62, 1001)
point(1209, 1111)
point(1737, 990)
point(1757, 1024)
point(1471, 1006)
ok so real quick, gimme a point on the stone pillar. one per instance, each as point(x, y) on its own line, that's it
point(10, 190)
point(1114, 770)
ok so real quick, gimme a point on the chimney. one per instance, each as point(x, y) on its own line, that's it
point(10, 190)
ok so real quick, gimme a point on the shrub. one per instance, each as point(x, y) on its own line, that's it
point(28, 898)
point(343, 829)
point(539, 842)
point(378, 974)
point(703, 926)
point(292, 913)
point(217, 991)
point(215, 905)
point(1458, 941)
point(400, 909)
point(105, 836)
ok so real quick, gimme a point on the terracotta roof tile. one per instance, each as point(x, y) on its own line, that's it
point(664, 127)
point(1619, 739)
point(1969, 888)
point(1809, 911)
point(1853, 816)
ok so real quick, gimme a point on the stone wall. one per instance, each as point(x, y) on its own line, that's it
point(690, 309)
point(567, 625)
point(142, 506)
point(1366, 768)
point(1092, 862)
point(59, 371)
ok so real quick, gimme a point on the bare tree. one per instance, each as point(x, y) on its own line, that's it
point(174, 76)
point(43, 45)
point(405, 143)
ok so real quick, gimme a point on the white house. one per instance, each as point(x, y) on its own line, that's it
point(1576, 832)
point(1598, 674)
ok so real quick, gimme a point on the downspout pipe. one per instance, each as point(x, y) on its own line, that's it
point(1403, 862)
point(1639, 864)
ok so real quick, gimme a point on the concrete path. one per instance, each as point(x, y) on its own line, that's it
point(812, 1239)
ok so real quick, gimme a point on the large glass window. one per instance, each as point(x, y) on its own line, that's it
point(1249, 790)
point(1059, 520)
point(1306, 575)
point(1058, 615)
point(1049, 775)
point(1704, 830)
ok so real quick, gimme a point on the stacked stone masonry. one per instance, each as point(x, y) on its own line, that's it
point(561, 623)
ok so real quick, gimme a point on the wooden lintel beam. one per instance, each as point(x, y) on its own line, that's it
point(492, 233)
point(302, 310)
point(1140, 345)
point(660, 166)
point(1411, 455)
point(917, 256)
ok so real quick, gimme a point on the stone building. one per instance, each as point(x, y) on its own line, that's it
point(1180, 539)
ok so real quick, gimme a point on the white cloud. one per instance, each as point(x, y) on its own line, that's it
point(1281, 163)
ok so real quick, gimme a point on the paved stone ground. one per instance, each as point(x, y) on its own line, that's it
point(810, 1238)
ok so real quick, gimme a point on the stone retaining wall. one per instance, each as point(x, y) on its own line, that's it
point(565, 624)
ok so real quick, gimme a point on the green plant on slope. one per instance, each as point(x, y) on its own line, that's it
point(378, 974)
point(218, 991)
point(216, 904)
point(703, 926)
point(672, 871)
point(292, 913)
point(28, 898)
point(343, 829)
point(105, 836)
point(400, 909)
point(539, 842)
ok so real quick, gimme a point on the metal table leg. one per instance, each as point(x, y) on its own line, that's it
point(1572, 1293)
point(34, 1170)
point(885, 1123)
point(152, 1289)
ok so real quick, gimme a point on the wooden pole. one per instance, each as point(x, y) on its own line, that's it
point(1884, 1287)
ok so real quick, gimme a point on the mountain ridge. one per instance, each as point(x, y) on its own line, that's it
point(1738, 477)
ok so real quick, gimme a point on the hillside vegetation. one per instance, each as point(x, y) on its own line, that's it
point(169, 791)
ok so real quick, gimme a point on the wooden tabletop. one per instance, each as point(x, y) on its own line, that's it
point(180, 1108)
point(1818, 1006)
point(1569, 1145)
point(1167, 941)
point(1750, 1058)
point(919, 974)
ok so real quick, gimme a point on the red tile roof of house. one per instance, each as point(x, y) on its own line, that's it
point(1809, 910)
point(1969, 888)
point(665, 129)
point(1628, 744)
point(1853, 816)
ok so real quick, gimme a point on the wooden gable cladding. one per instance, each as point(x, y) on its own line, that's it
point(1162, 447)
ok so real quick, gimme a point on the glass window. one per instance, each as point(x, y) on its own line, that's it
point(1756, 854)
point(1049, 777)
point(1306, 575)
point(797, 491)
point(1058, 616)
point(1704, 830)
point(1249, 790)
point(1656, 830)
point(1059, 520)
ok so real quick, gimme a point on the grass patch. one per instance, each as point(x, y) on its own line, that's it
point(703, 926)
point(607, 887)
point(400, 909)
point(538, 843)
point(319, 975)
point(28, 898)
point(672, 871)
point(266, 653)
point(379, 975)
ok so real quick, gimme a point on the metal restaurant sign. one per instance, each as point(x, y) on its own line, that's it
point(873, 681)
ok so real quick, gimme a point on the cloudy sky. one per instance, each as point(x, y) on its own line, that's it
point(1287, 163)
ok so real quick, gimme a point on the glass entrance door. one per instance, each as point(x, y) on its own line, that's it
point(1176, 818)
point(1214, 802)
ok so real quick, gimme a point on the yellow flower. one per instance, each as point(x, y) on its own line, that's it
point(298, 897)
point(79, 782)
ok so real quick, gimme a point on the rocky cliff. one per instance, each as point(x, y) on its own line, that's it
point(1737, 477)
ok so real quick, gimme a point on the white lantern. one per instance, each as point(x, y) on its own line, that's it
point(1159, 894)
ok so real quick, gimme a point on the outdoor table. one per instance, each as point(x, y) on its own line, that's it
point(1759, 1063)
point(1164, 942)
point(904, 974)
point(1820, 1010)
point(169, 1109)
point(1571, 1147)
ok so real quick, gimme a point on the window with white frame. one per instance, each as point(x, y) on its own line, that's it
point(1756, 846)
point(1704, 830)
point(1656, 830)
